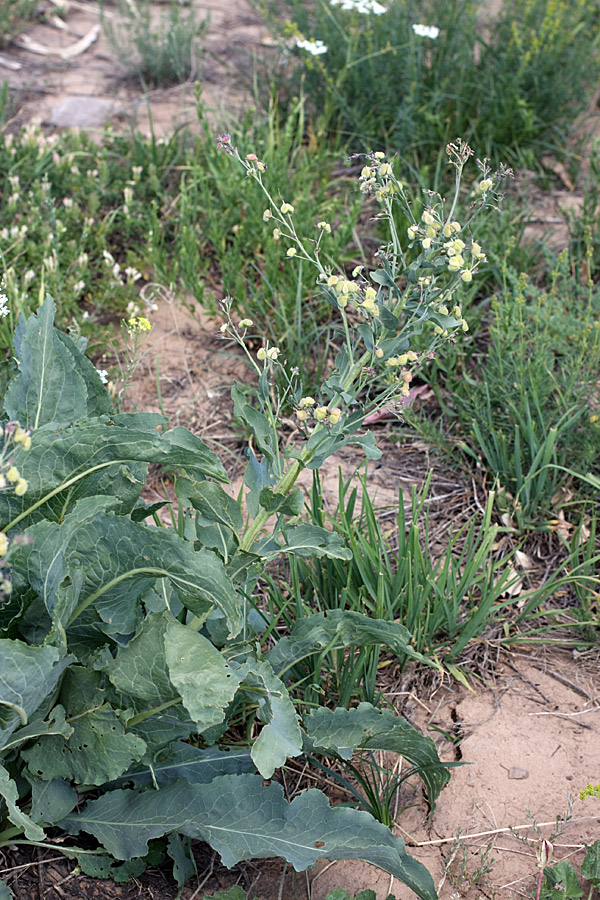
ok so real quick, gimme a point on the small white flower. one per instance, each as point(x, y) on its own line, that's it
point(3, 306)
point(426, 31)
point(316, 48)
point(103, 374)
point(361, 6)
point(78, 287)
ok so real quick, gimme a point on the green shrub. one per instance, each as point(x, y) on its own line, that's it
point(159, 54)
point(508, 83)
point(14, 16)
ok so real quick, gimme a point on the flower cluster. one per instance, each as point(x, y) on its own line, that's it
point(315, 48)
point(307, 409)
point(435, 234)
point(378, 178)
point(364, 7)
point(138, 324)
point(426, 31)
point(590, 790)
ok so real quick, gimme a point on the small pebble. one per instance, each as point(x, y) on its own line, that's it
point(517, 773)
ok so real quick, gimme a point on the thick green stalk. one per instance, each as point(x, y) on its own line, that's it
point(283, 486)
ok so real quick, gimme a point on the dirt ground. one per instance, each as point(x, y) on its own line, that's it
point(528, 736)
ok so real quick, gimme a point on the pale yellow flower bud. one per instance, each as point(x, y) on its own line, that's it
point(412, 356)
point(261, 354)
point(334, 416)
point(267, 215)
point(246, 323)
point(301, 414)
point(370, 295)
point(306, 401)
point(466, 276)
point(20, 487)
point(321, 413)
point(287, 208)
point(3, 544)
point(455, 226)
point(13, 474)
point(332, 280)
point(485, 185)
point(447, 230)
point(324, 226)
point(378, 352)
point(273, 352)
point(379, 155)
point(276, 234)
point(403, 359)
point(412, 232)
point(291, 251)
point(356, 271)
point(385, 170)
point(428, 218)
point(224, 327)
point(426, 243)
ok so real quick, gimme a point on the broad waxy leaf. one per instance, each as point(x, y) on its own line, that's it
point(590, 867)
point(98, 750)
point(55, 725)
point(201, 674)
point(140, 669)
point(181, 761)
point(342, 731)
point(5, 891)
point(93, 552)
point(243, 819)
point(10, 794)
point(47, 387)
point(281, 737)
point(561, 881)
point(179, 850)
point(216, 506)
point(27, 676)
point(313, 541)
point(51, 801)
point(340, 628)
point(102, 456)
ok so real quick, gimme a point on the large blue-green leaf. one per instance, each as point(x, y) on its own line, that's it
point(201, 674)
point(51, 800)
point(140, 669)
point(96, 557)
point(194, 764)
point(98, 750)
point(313, 541)
point(27, 676)
point(281, 737)
point(337, 630)
point(5, 891)
point(242, 818)
point(10, 795)
point(106, 456)
point(47, 387)
point(342, 731)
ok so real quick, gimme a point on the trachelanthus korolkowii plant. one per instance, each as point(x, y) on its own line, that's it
point(393, 319)
point(128, 649)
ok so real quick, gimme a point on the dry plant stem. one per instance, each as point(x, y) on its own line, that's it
point(477, 834)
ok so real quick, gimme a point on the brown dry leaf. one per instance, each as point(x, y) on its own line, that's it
point(515, 586)
point(523, 560)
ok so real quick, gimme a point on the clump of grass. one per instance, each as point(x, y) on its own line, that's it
point(158, 54)
point(14, 16)
point(416, 74)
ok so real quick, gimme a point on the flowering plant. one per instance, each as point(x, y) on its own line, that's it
point(392, 319)
point(127, 649)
